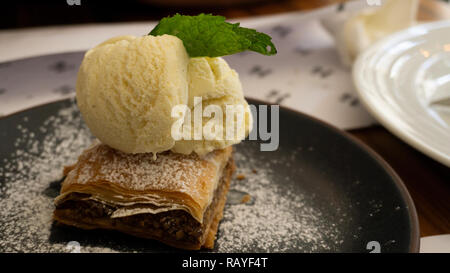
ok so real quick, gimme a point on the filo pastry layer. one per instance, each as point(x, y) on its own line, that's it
point(137, 184)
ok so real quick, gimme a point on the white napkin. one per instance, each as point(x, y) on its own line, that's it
point(354, 31)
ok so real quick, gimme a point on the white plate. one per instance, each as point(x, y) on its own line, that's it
point(404, 81)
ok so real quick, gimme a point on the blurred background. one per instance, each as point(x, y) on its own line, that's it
point(31, 13)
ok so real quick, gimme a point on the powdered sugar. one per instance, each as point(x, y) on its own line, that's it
point(26, 205)
point(134, 177)
point(277, 218)
point(140, 172)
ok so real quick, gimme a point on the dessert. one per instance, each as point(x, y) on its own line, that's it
point(126, 88)
point(217, 84)
point(177, 199)
point(138, 178)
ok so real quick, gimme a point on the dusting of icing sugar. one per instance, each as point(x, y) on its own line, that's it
point(26, 196)
point(139, 171)
point(275, 219)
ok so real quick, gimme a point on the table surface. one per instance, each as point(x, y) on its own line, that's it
point(427, 180)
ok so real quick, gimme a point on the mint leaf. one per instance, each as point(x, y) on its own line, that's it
point(209, 35)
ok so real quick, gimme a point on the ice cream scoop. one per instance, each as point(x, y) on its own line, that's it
point(217, 84)
point(127, 87)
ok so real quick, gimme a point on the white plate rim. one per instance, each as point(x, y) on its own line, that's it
point(374, 110)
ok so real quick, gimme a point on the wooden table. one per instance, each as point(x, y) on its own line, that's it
point(427, 181)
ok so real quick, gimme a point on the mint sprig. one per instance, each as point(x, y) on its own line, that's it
point(209, 35)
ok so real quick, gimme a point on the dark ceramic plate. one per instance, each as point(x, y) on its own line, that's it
point(321, 191)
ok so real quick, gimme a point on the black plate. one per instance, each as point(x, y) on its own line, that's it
point(321, 191)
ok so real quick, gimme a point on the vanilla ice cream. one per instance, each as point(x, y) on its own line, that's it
point(128, 86)
point(217, 84)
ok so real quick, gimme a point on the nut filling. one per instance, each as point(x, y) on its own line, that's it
point(175, 225)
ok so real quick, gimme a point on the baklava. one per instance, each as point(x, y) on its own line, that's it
point(176, 199)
